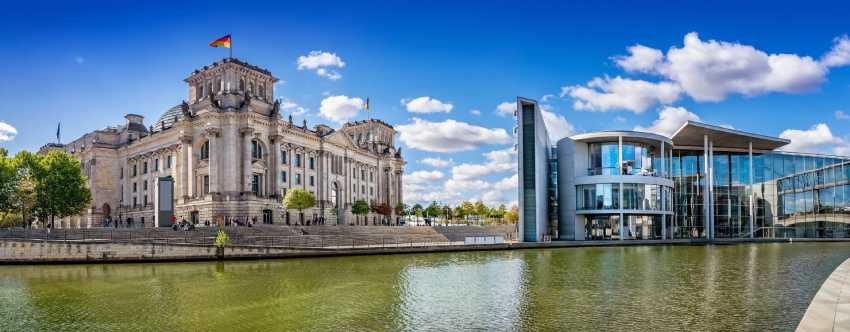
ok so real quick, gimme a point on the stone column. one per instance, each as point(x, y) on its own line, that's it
point(185, 166)
point(247, 133)
point(274, 178)
point(215, 159)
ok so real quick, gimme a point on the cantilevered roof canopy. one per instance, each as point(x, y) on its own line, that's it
point(692, 133)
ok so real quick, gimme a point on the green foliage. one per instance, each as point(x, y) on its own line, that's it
point(513, 215)
point(481, 209)
point(417, 210)
point(50, 185)
point(60, 188)
point(433, 209)
point(221, 239)
point(401, 209)
point(298, 199)
point(360, 207)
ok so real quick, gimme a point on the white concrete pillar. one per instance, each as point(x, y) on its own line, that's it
point(706, 208)
point(752, 197)
point(711, 188)
point(620, 155)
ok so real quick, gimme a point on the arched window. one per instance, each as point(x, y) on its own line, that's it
point(205, 151)
point(263, 91)
point(241, 84)
point(251, 87)
point(256, 150)
point(210, 87)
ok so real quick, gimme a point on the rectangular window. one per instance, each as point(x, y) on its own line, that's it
point(135, 170)
point(206, 184)
point(283, 157)
point(297, 178)
point(121, 174)
point(297, 160)
point(145, 167)
point(145, 185)
point(354, 172)
point(145, 200)
point(363, 174)
point(135, 202)
point(156, 165)
point(312, 163)
point(134, 187)
point(371, 177)
point(283, 176)
point(312, 181)
point(255, 184)
point(371, 191)
point(168, 162)
point(363, 190)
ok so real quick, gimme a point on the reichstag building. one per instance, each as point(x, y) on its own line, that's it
point(228, 154)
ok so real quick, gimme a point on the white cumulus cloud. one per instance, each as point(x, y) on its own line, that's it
point(340, 108)
point(817, 139)
point(449, 135)
point(7, 132)
point(640, 59)
point(436, 162)
point(506, 109)
point(712, 70)
point(669, 120)
point(557, 126)
point(320, 62)
point(839, 55)
point(427, 104)
point(618, 93)
point(423, 177)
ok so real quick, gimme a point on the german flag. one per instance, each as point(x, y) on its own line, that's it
point(223, 42)
point(366, 105)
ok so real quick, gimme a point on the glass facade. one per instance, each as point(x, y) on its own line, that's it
point(791, 195)
point(604, 158)
point(600, 196)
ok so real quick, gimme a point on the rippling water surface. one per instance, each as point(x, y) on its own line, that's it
point(752, 287)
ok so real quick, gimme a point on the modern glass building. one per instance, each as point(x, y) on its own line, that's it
point(703, 182)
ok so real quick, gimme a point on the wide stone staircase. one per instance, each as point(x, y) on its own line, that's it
point(316, 236)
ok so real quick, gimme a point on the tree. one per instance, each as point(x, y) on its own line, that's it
point(8, 186)
point(468, 208)
point(513, 215)
point(480, 209)
point(360, 208)
point(401, 209)
point(298, 199)
point(433, 209)
point(58, 184)
point(499, 212)
point(381, 208)
point(459, 212)
point(417, 210)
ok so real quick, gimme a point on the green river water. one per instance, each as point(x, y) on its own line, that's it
point(750, 287)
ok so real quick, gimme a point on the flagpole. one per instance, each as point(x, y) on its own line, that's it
point(231, 45)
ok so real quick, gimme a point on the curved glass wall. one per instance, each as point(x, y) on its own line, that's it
point(603, 159)
point(638, 159)
point(599, 196)
point(639, 196)
point(641, 227)
point(602, 227)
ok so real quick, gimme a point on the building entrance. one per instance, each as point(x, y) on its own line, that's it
point(602, 227)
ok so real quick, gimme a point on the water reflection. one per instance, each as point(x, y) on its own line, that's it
point(731, 287)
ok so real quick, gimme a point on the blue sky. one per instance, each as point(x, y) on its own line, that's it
point(86, 64)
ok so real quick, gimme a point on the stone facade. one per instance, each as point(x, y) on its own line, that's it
point(232, 156)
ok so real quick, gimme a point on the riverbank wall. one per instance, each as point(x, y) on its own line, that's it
point(68, 252)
